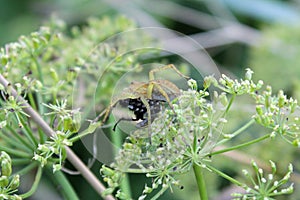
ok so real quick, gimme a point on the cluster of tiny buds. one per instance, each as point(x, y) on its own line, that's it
point(278, 113)
point(54, 147)
point(8, 183)
point(265, 187)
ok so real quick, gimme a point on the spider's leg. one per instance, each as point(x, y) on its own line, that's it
point(170, 66)
point(123, 119)
point(145, 102)
point(166, 96)
point(100, 115)
point(106, 112)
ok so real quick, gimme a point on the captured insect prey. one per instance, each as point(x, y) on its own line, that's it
point(140, 111)
point(145, 99)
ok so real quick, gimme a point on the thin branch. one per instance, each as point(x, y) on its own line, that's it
point(71, 156)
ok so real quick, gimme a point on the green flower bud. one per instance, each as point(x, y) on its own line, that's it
point(56, 167)
point(269, 89)
point(260, 83)
point(193, 84)
point(147, 190)
point(76, 121)
point(273, 135)
point(107, 171)
point(208, 81)
point(122, 195)
point(54, 75)
point(67, 123)
point(267, 101)
point(223, 99)
point(43, 148)
point(248, 75)
point(265, 120)
point(128, 146)
point(15, 182)
point(254, 165)
point(259, 110)
point(6, 168)
point(108, 191)
point(111, 183)
point(116, 177)
point(5, 156)
point(3, 181)
point(281, 99)
point(291, 168)
point(257, 119)
point(38, 84)
point(293, 105)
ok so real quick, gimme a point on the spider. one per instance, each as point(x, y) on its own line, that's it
point(142, 97)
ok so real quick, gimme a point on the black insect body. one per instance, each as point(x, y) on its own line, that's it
point(145, 99)
point(140, 111)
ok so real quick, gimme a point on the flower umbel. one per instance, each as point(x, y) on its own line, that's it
point(278, 112)
point(178, 141)
point(54, 147)
point(265, 186)
point(67, 120)
point(12, 107)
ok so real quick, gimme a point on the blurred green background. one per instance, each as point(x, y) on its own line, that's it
point(261, 34)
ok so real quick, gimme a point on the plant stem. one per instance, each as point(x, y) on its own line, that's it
point(67, 188)
point(86, 173)
point(229, 104)
point(200, 182)
point(20, 161)
point(235, 133)
point(234, 181)
point(35, 183)
point(90, 129)
point(20, 138)
point(11, 141)
point(117, 140)
point(159, 193)
point(39, 97)
point(139, 171)
point(28, 168)
point(14, 152)
point(240, 145)
point(31, 100)
point(28, 132)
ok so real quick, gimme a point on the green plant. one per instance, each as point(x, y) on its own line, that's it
point(40, 119)
point(185, 141)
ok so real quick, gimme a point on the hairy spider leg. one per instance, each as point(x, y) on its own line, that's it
point(145, 102)
point(106, 112)
point(152, 84)
point(170, 66)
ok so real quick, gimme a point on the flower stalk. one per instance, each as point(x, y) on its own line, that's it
point(200, 181)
